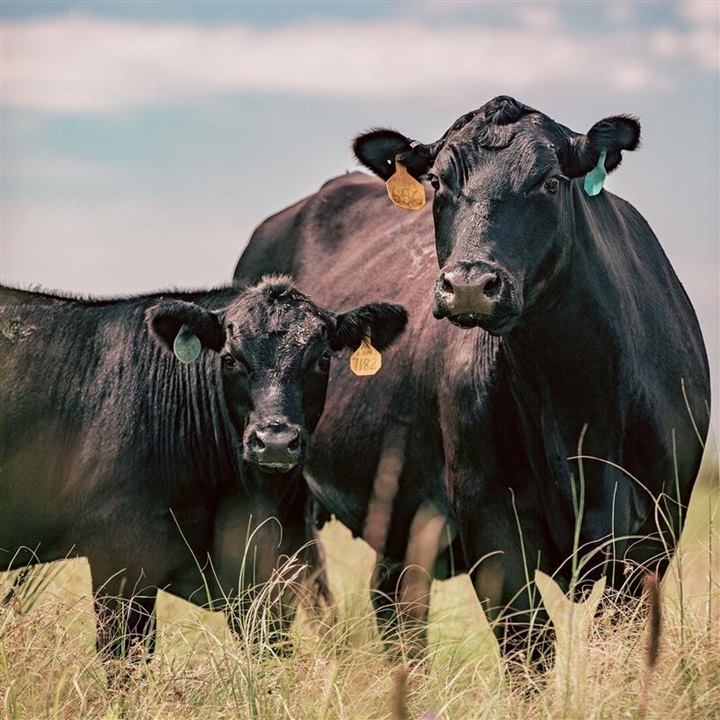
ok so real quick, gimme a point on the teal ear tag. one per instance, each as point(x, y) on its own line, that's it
point(595, 179)
point(187, 345)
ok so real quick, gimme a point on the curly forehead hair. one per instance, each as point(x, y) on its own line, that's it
point(277, 287)
point(494, 125)
point(283, 297)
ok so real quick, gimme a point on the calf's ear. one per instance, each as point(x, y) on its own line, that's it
point(611, 136)
point(184, 328)
point(377, 150)
point(384, 322)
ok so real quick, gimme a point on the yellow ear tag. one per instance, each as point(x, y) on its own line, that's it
point(366, 360)
point(404, 190)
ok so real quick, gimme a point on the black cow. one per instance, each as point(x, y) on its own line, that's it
point(570, 337)
point(125, 425)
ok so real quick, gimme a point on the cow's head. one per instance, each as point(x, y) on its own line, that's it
point(275, 346)
point(504, 177)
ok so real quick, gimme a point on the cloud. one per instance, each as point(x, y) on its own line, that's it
point(700, 12)
point(59, 172)
point(702, 43)
point(114, 245)
point(619, 12)
point(538, 17)
point(75, 64)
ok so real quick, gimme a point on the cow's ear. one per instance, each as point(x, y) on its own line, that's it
point(611, 136)
point(384, 322)
point(184, 328)
point(378, 149)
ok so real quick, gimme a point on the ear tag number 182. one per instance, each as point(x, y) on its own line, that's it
point(366, 360)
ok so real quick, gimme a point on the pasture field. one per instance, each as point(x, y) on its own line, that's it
point(339, 669)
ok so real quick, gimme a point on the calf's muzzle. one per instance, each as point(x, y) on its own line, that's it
point(275, 447)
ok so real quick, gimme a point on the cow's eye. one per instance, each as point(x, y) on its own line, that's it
point(229, 361)
point(552, 184)
point(433, 180)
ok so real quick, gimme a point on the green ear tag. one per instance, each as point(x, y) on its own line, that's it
point(187, 345)
point(595, 179)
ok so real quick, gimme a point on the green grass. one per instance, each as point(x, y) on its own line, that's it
point(339, 670)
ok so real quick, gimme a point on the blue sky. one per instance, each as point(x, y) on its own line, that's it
point(143, 141)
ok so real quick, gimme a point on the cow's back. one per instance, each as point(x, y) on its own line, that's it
point(46, 357)
point(90, 454)
point(346, 231)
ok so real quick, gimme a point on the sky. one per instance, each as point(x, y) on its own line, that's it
point(143, 141)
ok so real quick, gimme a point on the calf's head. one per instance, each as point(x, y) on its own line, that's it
point(504, 178)
point(275, 347)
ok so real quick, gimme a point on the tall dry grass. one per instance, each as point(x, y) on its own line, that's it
point(339, 669)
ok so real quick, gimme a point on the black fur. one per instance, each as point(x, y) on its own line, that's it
point(378, 148)
point(613, 134)
point(495, 126)
point(112, 449)
point(167, 316)
point(566, 333)
point(384, 322)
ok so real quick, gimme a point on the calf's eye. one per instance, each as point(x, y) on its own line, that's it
point(552, 184)
point(322, 363)
point(433, 180)
point(229, 361)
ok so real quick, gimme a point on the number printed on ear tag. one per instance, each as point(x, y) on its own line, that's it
point(404, 190)
point(187, 345)
point(366, 360)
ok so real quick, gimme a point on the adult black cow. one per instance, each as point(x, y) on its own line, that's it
point(570, 335)
point(158, 436)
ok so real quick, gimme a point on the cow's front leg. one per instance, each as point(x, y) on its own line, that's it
point(400, 591)
point(503, 556)
point(126, 631)
point(402, 594)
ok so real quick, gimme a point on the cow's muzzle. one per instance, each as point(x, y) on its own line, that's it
point(275, 447)
point(477, 295)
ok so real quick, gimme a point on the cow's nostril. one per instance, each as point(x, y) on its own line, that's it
point(294, 444)
point(255, 444)
point(445, 285)
point(492, 287)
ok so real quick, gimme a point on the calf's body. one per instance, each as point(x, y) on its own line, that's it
point(143, 432)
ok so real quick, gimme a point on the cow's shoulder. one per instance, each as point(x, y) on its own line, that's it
point(341, 200)
point(351, 186)
point(334, 195)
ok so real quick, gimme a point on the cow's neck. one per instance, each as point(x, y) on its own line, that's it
point(569, 359)
point(574, 335)
point(194, 436)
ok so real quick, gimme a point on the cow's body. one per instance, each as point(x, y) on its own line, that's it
point(115, 450)
point(581, 340)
